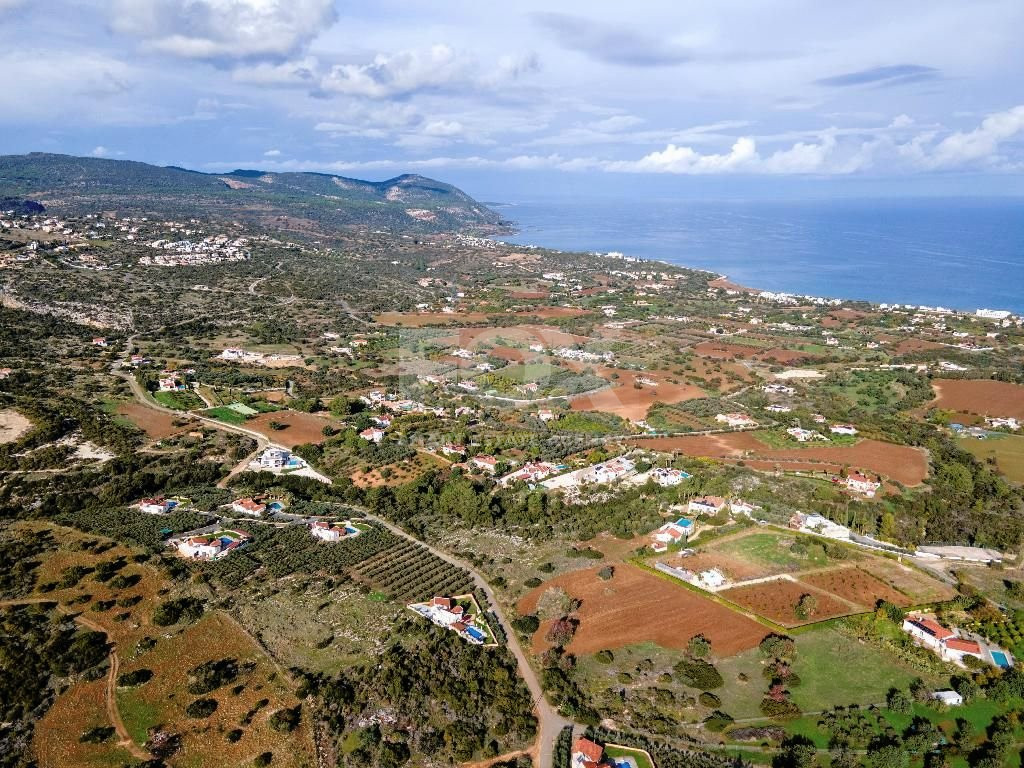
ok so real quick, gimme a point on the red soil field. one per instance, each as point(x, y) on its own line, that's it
point(776, 600)
point(737, 569)
point(156, 424)
point(855, 585)
point(635, 606)
point(627, 401)
point(420, 319)
point(545, 335)
point(724, 351)
point(980, 396)
point(302, 427)
point(902, 463)
point(907, 346)
point(528, 294)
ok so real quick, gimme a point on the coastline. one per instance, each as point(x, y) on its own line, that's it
point(861, 252)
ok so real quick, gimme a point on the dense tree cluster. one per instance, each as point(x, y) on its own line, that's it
point(432, 694)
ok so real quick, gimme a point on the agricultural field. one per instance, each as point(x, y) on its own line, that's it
point(770, 571)
point(400, 472)
point(631, 399)
point(1006, 451)
point(179, 401)
point(409, 573)
point(156, 424)
point(225, 414)
point(637, 606)
point(979, 397)
point(299, 427)
point(902, 463)
point(778, 601)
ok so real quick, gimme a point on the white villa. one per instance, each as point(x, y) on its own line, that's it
point(336, 531)
point(735, 420)
point(676, 532)
point(859, 483)
point(274, 458)
point(707, 505)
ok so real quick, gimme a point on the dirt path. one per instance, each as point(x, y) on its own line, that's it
point(550, 721)
point(110, 696)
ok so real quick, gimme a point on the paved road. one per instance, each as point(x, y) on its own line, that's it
point(551, 722)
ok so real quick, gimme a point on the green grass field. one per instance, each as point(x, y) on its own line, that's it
point(179, 401)
point(772, 550)
point(225, 414)
point(1007, 450)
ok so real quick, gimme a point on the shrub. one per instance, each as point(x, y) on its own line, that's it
point(699, 647)
point(605, 656)
point(286, 720)
point(717, 721)
point(211, 675)
point(136, 677)
point(532, 582)
point(526, 624)
point(188, 609)
point(263, 759)
point(709, 699)
point(234, 735)
point(698, 673)
point(606, 573)
point(201, 708)
point(101, 734)
point(778, 647)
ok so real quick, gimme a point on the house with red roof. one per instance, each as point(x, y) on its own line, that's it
point(588, 754)
point(248, 506)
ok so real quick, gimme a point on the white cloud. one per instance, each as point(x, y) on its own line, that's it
point(100, 151)
point(617, 123)
point(675, 159)
point(399, 74)
point(444, 128)
point(371, 121)
point(302, 72)
point(901, 121)
point(223, 29)
point(981, 144)
point(272, 153)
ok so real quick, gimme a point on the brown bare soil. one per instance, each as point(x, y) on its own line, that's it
point(636, 606)
point(627, 401)
point(917, 586)
point(735, 568)
point(855, 585)
point(421, 319)
point(156, 424)
point(12, 425)
point(979, 396)
point(776, 600)
point(302, 427)
point(545, 335)
point(906, 346)
point(902, 463)
point(724, 351)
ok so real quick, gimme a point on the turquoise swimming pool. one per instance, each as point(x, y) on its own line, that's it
point(1000, 659)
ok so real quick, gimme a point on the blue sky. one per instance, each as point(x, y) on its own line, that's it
point(737, 97)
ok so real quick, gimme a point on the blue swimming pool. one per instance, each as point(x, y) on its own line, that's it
point(1000, 659)
point(475, 633)
point(275, 506)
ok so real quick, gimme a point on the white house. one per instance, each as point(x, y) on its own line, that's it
point(373, 434)
point(676, 532)
point(735, 420)
point(843, 429)
point(927, 631)
point(248, 506)
point(998, 422)
point(545, 414)
point(333, 531)
point(199, 548)
point(949, 698)
point(859, 483)
point(274, 458)
point(707, 505)
point(484, 462)
point(668, 478)
point(611, 470)
point(155, 506)
point(802, 435)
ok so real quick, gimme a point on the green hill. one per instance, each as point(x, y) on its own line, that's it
point(312, 202)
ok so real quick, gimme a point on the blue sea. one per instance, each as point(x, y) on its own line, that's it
point(962, 254)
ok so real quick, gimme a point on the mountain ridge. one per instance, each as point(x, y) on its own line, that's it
point(407, 202)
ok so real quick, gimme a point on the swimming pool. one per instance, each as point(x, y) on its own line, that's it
point(275, 506)
point(475, 633)
point(1000, 659)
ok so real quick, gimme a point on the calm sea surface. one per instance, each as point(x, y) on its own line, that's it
point(963, 254)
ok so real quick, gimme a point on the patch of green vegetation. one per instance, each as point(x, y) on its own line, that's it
point(835, 668)
point(179, 401)
point(1005, 451)
point(138, 714)
point(225, 414)
point(775, 551)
